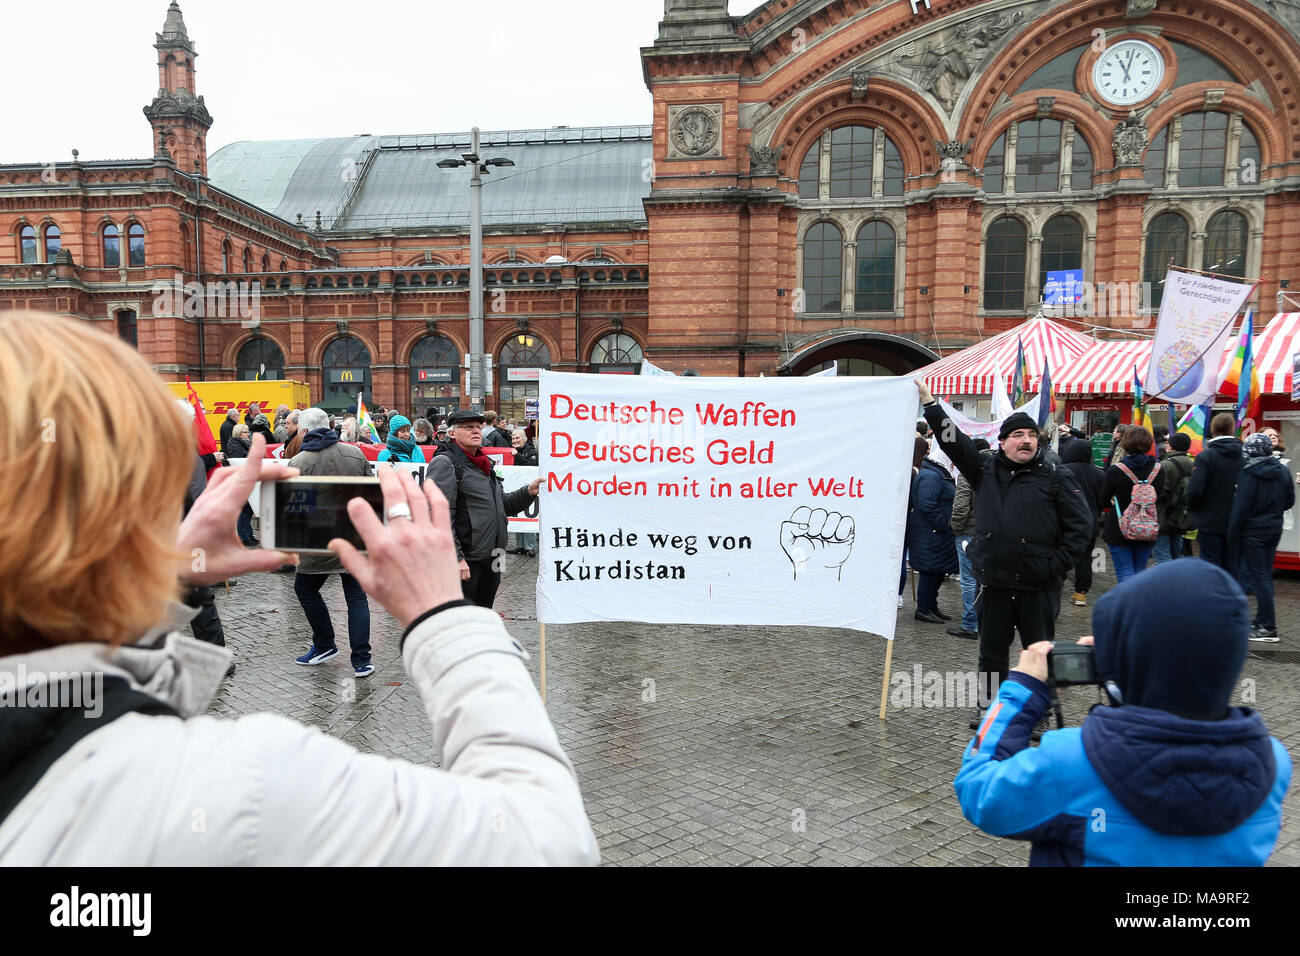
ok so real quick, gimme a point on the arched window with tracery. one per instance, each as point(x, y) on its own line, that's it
point(823, 268)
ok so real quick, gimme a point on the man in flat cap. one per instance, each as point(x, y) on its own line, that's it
point(479, 507)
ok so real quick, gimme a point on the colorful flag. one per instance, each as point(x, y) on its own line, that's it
point(204, 442)
point(363, 417)
point(1243, 375)
point(1140, 416)
point(1020, 377)
point(1046, 396)
point(1195, 424)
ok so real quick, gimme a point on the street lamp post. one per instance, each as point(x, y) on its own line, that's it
point(478, 167)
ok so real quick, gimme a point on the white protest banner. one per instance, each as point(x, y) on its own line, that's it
point(648, 369)
point(723, 500)
point(516, 476)
point(1196, 314)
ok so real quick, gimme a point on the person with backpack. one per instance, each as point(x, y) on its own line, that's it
point(1177, 466)
point(478, 505)
point(1077, 458)
point(1264, 492)
point(1131, 488)
point(931, 544)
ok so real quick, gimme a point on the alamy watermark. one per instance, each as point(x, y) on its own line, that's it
point(211, 300)
point(74, 690)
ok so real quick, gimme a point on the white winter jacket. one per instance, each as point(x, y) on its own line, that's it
point(266, 790)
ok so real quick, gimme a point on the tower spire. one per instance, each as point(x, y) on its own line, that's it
point(177, 114)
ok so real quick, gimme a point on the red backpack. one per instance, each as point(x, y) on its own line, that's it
point(1140, 521)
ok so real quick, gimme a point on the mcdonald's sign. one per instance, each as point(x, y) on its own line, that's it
point(339, 375)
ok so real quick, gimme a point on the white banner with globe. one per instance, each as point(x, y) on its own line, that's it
point(1196, 314)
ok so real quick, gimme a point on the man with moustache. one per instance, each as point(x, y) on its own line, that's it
point(1032, 524)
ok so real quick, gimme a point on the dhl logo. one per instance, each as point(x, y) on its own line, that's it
point(221, 408)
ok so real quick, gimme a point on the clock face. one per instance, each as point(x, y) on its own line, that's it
point(1128, 72)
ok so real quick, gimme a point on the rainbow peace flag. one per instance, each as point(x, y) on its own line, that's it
point(1140, 416)
point(363, 417)
point(1046, 396)
point(1242, 374)
point(1194, 425)
point(1020, 377)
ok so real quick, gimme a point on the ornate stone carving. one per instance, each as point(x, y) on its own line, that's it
point(1139, 8)
point(694, 130)
point(953, 149)
point(1213, 98)
point(1045, 104)
point(180, 103)
point(1130, 140)
point(522, 323)
point(762, 161)
point(431, 326)
point(342, 326)
point(860, 80)
point(616, 323)
point(943, 63)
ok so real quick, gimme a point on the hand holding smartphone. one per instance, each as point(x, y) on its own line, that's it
point(305, 514)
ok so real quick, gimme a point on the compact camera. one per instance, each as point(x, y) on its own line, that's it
point(1072, 664)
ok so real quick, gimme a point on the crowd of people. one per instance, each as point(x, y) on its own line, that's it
point(103, 582)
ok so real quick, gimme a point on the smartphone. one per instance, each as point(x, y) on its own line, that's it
point(306, 514)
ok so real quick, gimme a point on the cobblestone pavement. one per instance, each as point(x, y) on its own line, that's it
point(712, 745)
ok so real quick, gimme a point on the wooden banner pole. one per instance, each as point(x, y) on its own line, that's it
point(884, 689)
point(541, 627)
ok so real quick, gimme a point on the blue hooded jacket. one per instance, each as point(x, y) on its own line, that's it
point(1175, 776)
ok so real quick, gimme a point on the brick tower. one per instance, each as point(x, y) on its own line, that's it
point(180, 120)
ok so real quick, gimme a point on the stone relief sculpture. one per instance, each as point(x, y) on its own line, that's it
point(941, 65)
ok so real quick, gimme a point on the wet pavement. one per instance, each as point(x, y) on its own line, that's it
point(718, 746)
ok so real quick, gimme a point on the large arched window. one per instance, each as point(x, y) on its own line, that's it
point(1248, 158)
point(1062, 247)
point(810, 171)
point(27, 240)
point(1081, 164)
point(1154, 163)
point(1225, 244)
point(112, 247)
point(53, 242)
point(995, 166)
point(522, 359)
point(823, 268)
point(874, 287)
point(260, 358)
point(1166, 240)
point(616, 352)
point(1038, 156)
point(135, 245)
point(435, 376)
point(1004, 264)
point(346, 367)
point(1203, 149)
point(853, 171)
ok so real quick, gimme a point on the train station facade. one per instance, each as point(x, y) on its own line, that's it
point(875, 184)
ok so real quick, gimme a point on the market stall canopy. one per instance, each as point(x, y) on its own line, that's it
point(972, 371)
point(1107, 367)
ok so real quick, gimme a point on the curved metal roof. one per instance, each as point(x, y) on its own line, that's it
point(560, 175)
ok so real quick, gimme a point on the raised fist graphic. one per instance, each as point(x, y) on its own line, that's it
point(815, 539)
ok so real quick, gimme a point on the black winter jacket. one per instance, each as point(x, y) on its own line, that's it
point(1032, 523)
point(1117, 486)
point(477, 503)
point(1265, 489)
point(1213, 485)
point(526, 454)
point(1077, 456)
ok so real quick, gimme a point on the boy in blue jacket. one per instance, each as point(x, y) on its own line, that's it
point(1171, 774)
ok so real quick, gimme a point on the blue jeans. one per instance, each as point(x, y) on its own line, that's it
point(1129, 559)
point(307, 587)
point(526, 541)
point(1168, 546)
point(1257, 554)
point(969, 619)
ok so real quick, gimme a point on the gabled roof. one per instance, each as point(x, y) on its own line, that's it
point(561, 175)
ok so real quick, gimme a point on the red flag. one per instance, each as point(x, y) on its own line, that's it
point(203, 439)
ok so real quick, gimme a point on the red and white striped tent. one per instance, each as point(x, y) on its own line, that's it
point(972, 371)
point(1107, 367)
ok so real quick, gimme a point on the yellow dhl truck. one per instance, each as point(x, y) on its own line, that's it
point(219, 397)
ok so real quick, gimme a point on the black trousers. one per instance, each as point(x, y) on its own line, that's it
point(1083, 568)
point(1003, 612)
point(1216, 549)
point(206, 625)
point(481, 588)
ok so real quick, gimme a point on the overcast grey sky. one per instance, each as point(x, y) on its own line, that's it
point(285, 69)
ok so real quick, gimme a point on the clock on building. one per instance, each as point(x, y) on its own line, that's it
point(1128, 72)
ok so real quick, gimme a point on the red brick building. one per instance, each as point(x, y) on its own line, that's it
point(879, 181)
point(871, 183)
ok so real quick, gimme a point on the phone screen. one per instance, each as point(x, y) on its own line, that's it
point(309, 514)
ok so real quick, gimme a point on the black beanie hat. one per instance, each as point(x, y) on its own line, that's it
point(1014, 421)
point(1180, 441)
